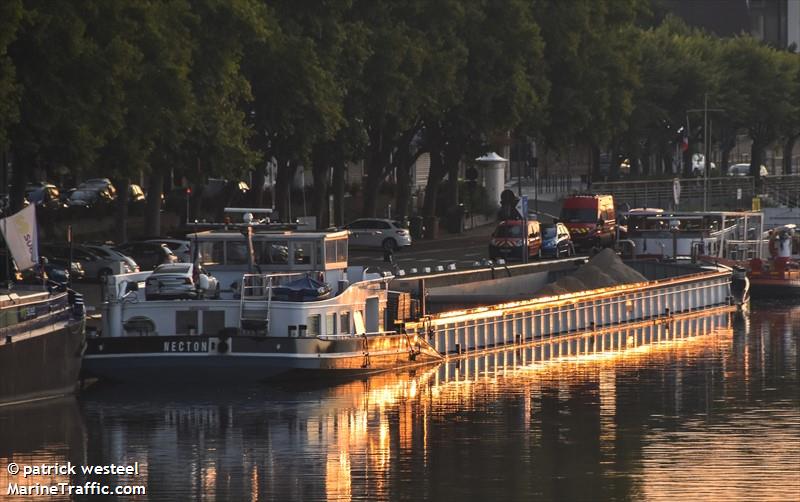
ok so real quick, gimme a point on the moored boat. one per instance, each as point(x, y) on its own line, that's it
point(41, 324)
point(289, 306)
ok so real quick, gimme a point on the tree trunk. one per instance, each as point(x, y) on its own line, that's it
point(756, 159)
point(338, 192)
point(320, 169)
point(403, 195)
point(788, 148)
point(594, 168)
point(283, 190)
point(257, 190)
point(687, 163)
point(377, 160)
point(121, 210)
point(725, 159)
point(152, 216)
point(19, 176)
point(435, 176)
point(451, 157)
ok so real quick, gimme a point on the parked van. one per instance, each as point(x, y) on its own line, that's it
point(591, 220)
point(508, 240)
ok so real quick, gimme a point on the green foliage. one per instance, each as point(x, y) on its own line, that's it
point(209, 88)
point(11, 13)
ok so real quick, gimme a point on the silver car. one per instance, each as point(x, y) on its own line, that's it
point(382, 233)
point(180, 281)
point(95, 267)
point(108, 252)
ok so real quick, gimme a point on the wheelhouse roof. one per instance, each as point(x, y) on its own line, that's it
point(228, 234)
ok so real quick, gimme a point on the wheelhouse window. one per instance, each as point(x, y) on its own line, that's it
point(236, 253)
point(272, 252)
point(303, 252)
point(344, 322)
point(341, 250)
point(211, 252)
point(336, 251)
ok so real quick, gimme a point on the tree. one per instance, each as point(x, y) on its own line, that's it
point(590, 48)
point(673, 64)
point(68, 93)
point(758, 92)
point(11, 13)
point(504, 90)
point(297, 102)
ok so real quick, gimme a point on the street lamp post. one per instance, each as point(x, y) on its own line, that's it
point(706, 149)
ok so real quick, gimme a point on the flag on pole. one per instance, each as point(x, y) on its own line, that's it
point(22, 237)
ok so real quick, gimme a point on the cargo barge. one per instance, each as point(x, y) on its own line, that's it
point(297, 310)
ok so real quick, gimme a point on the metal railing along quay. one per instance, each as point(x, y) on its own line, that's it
point(724, 192)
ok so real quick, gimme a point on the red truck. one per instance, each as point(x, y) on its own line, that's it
point(591, 220)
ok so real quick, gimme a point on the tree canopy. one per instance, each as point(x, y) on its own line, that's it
point(199, 88)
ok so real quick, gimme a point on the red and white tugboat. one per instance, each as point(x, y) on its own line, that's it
point(779, 275)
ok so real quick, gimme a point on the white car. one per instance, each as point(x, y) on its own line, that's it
point(744, 170)
point(180, 281)
point(179, 247)
point(108, 252)
point(378, 233)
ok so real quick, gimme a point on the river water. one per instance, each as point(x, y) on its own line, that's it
point(714, 417)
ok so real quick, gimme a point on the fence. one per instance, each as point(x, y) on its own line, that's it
point(724, 192)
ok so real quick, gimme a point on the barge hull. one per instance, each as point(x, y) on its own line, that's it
point(41, 364)
point(186, 359)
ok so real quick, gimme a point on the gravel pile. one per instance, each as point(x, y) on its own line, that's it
point(603, 270)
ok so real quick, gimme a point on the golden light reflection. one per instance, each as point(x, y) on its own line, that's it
point(361, 429)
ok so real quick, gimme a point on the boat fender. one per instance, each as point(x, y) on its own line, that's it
point(222, 346)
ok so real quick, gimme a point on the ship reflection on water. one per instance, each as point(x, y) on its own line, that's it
point(711, 416)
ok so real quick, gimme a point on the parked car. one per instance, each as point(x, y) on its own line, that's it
point(101, 183)
point(744, 170)
point(180, 281)
point(90, 198)
point(43, 194)
point(556, 241)
point(378, 233)
point(179, 247)
point(56, 273)
point(56, 269)
point(148, 255)
point(508, 240)
point(107, 251)
point(95, 267)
